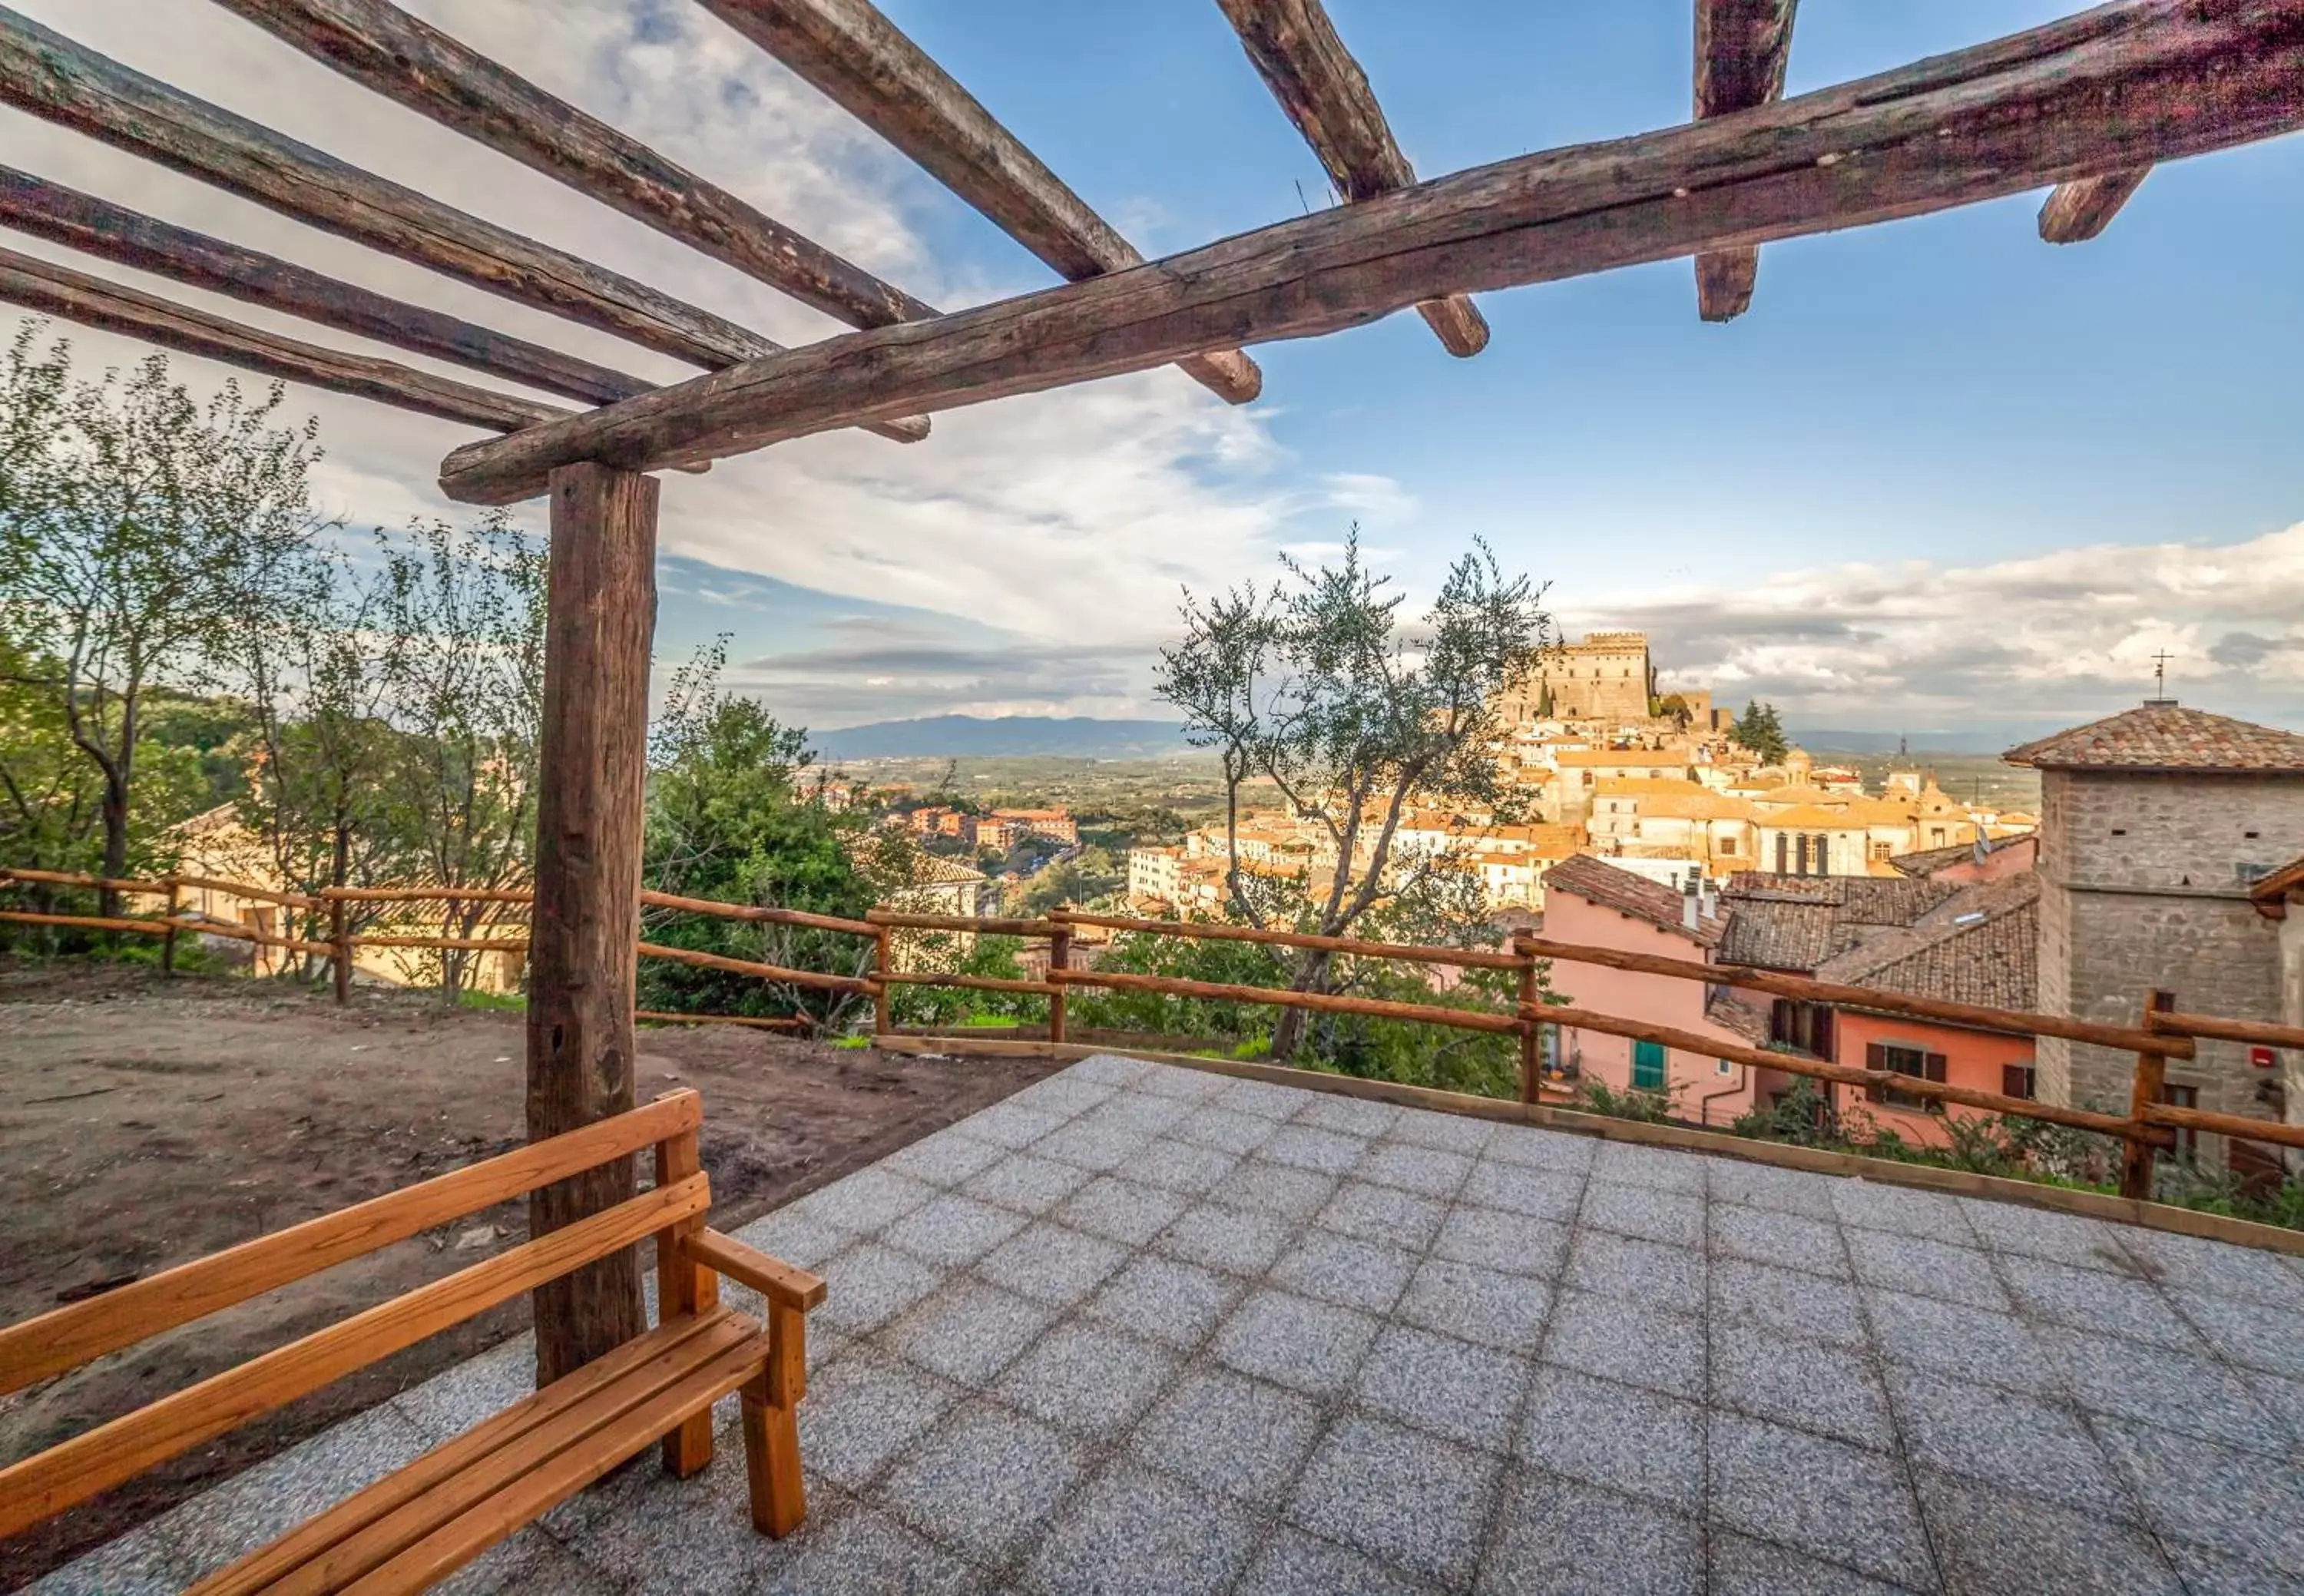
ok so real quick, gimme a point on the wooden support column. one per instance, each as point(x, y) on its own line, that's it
point(884, 990)
point(341, 957)
point(1060, 948)
point(1531, 1049)
point(2150, 1082)
point(2075, 212)
point(1741, 48)
point(168, 942)
point(600, 620)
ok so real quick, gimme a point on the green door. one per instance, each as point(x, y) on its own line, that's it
point(1648, 1067)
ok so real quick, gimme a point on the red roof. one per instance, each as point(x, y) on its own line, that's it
point(1597, 881)
point(2165, 736)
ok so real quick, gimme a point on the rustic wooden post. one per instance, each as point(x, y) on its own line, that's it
point(883, 1004)
point(582, 952)
point(340, 943)
point(1531, 1051)
point(770, 1402)
point(168, 942)
point(683, 1286)
point(2151, 1078)
point(1060, 949)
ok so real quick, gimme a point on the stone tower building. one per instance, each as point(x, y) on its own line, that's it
point(1603, 676)
point(2155, 824)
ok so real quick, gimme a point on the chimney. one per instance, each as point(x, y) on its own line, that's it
point(1691, 900)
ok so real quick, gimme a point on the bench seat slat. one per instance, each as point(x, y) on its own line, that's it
point(521, 1500)
point(44, 1485)
point(573, 1404)
point(66, 1337)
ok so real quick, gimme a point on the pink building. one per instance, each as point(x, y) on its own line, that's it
point(1589, 901)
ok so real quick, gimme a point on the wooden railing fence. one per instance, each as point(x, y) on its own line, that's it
point(2163, 1031)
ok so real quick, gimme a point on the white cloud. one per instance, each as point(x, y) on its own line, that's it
point(2053, 636)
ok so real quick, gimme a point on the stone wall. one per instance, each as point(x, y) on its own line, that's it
point(2144, 884)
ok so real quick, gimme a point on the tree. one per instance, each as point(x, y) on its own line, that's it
point(1759, 729)
point(1315, 686)
point(1672, 707)
point(131, 514)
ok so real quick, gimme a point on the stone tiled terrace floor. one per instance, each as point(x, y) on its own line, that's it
point(1141, 1328)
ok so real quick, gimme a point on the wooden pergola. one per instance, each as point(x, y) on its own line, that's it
point(2086, 105)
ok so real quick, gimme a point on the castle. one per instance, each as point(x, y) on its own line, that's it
point(1606, 675)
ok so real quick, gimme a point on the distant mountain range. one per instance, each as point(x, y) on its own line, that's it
point(1988, 740)
point(1006, 736)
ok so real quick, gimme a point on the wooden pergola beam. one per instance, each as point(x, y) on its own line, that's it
point(94, 226)
point(384, 49)
point(58, 291)
point(55, 79)
point(2075, 212)
point(863, 62)
point(1742, 50)
point(1302, 60)
point(2120, 86)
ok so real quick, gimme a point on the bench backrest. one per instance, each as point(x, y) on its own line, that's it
point(55, 1342)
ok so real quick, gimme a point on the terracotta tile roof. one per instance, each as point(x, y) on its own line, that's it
point(1629, 759)
point(1809, 817)
point(1798, 923)
point(1748, 1017)
point(1979, 945)
point(2165, 736)
point(1597, 881)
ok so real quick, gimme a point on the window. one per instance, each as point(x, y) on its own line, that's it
point(2018, 1080)
point(1807, 1026)
point(1884, 851)
point(1727, 844)
point(1648, 1067)
point(1724, 1067)
point(1916, 1061)
point(1784, 846)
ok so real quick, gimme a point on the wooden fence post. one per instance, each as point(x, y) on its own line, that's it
point(168, 942)
point(1531, 1051)
point(584, 941)
point(341, 944)
point(884, 993)
point(1060, 948)
point(2147, 1088)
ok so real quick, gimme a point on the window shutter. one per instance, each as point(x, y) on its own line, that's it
point(1933, 1066)
point(2016, 1080)
point(1876, 1057)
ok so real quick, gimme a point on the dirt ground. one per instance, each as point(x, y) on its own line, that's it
point(143, 1124)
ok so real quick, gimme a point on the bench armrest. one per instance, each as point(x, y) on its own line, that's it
point(773, 1278)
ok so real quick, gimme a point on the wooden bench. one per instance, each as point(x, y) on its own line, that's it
point(438, 1512)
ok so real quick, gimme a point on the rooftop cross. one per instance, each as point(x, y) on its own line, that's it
point(2160, 677)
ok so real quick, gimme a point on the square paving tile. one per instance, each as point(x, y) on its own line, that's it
point(2266, 1336)
point(1765, 1186)
point(863, 1412)
point(953, 1231)
point(1666, 1170)
point(1781, 1240)
point(1175, 1304)
point(968, 1332)
point(1970, 1343)
point(1649, 1212)
point(1450, 1132)
point(1346, 1271)
point(1532, 1148)
point(1137, 1532)
point(1493, 1239)
point(2214, 1496)
point(1234, 1240)
point(985, 1480)
point(2163, 1387)
point(1825, 1497)
point(2187, 1265)
point(2035, 1233)
point(1180, 1080)
point(1621, 1436)
point(1025, 1183)
point(1631, 1342)
point(1449, 1388)
point(1925, 1268)
point(1383, 1214)
point(1086, 1377)
point(1262, 1098)
point(1295, 1564)
point(2017, 1442)
point(866, 1200)
point(1295, 1342)
point(1405, 1498)
point(1100, 1149)
point(861, 1551)
point(870, 1285)
point(1263, 1188)
point(1805, 1384)
point(796, 1237)
point(1230, 1434)
point(1639, 1271)
point(1870, 1205)
point(1484, 1305)
point(1111, 1069)
point(1012, 1124)
point(1786, 1301)
point(1133, 1112)
point(1427, 1171)
point(1121, 1210)
point(1052, 1263)
point(1999, 1542)
point(1300, 1146)
point(1739, 1566)
point(1558, 1536)
point(1066, 1094)
point(1353, 1117)
point(1540, 1193)
point(2087, 1300)
point(1226, 1130)
point(943, 1159)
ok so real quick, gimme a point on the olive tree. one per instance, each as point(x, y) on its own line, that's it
point(1319, 686)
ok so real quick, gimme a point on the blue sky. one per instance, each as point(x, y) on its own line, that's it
point(1941, 475)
